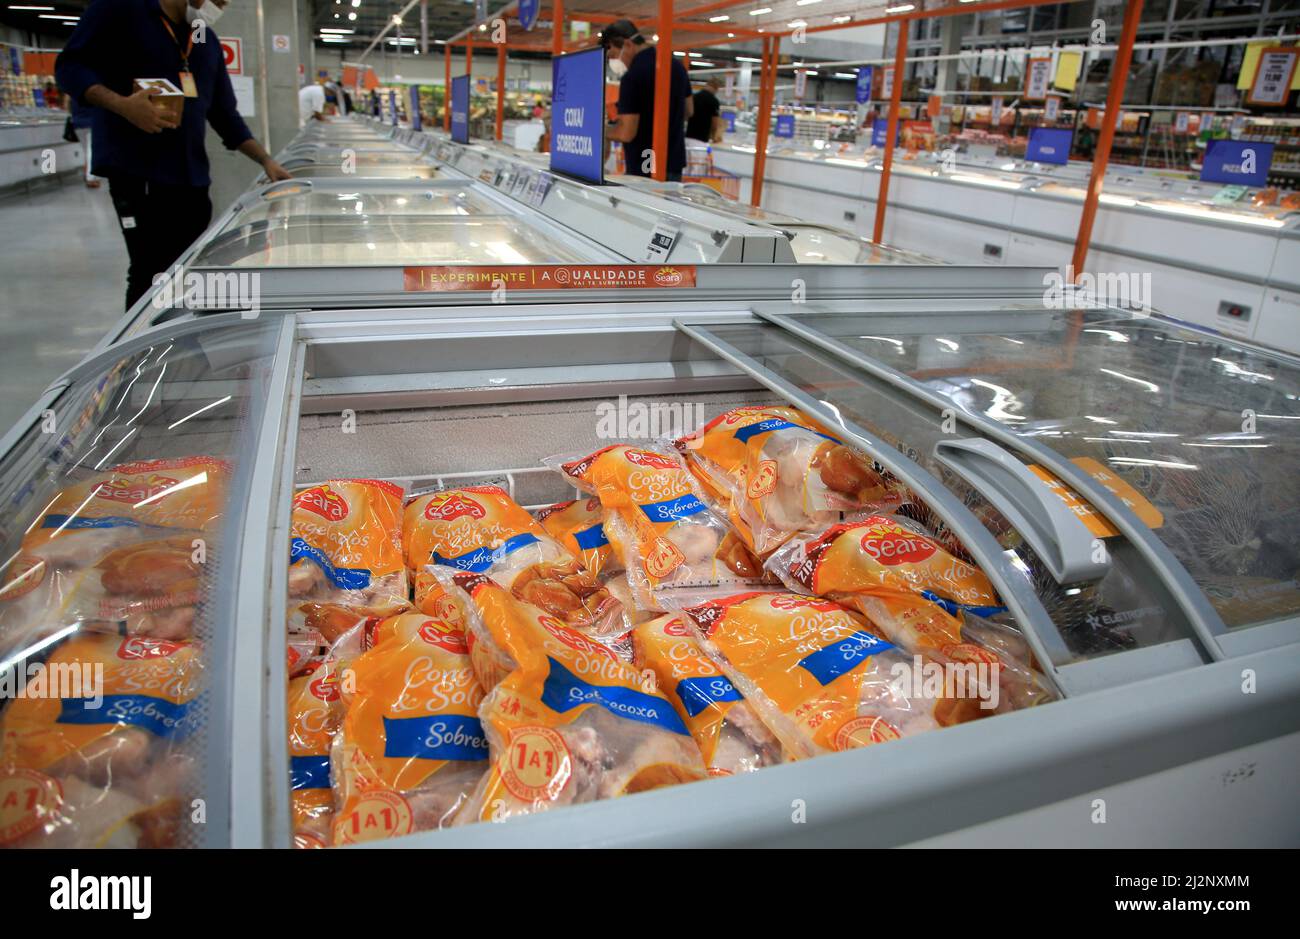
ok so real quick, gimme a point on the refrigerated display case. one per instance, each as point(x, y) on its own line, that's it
point(1147, 642)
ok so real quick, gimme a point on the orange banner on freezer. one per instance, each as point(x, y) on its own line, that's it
point(545, 277)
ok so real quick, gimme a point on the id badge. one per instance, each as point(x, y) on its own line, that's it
point(188, 88)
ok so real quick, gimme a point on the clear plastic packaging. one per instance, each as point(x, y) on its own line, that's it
point(915, 594)
point(96, 756)
point(482, 530)
point(818, 678)
point(731, 737)
point(577, 525)
point(571, 722)
point(122, 551)
point(345, 555)
point(411, 748)
point(674, 547)
point(777, 472)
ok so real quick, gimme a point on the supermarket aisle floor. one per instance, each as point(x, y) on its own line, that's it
point(62, 280)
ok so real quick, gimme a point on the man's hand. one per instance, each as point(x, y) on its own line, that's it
point(274, 171)
point(140, 110)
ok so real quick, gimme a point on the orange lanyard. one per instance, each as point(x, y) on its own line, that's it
point(189, 46)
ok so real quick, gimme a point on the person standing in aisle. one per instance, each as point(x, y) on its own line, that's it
point(311, 103)
point(156, 165)
point(706, 121)
point(633, 60)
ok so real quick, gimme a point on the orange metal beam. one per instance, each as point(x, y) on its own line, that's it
point(931, 13)
point(766, 96)
point(469, 64)
point(557, 28)
point(501, 89)
point(663, 91)
point(1114, 103)
point(446, 89)
point(891, 128)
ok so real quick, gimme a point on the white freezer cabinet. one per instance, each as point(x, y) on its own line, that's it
point(1142, 418)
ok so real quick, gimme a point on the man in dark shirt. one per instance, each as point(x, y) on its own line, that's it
point(706, 122)
point(634, 59)
point(157, 166)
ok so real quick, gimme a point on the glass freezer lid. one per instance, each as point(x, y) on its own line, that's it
point(364, 171)
point(817, 244)
point(1201, 437)
point(383, 241)
point(370, 201)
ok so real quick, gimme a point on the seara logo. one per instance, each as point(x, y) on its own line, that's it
point(134, 491)
point(138, 647)
point(324, 502)
point(444, 637)
point(649, 460)
point(668, 277)
point(452, 506)
point(892, 546)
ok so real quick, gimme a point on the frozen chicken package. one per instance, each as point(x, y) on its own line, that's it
point(121, 551)
point(345, 555)
point(820, 679)
point(481, 530)
point(674, 547)
point(571, 722)
point(411, 748)
point(576, 524)
point(915, 593)
point(731, 737)
point(778, 472)
point(103, 762)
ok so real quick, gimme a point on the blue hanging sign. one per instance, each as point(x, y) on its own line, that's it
point(578, 115)
point(1049, 144)
point(1237, 162)
point(416, 122)
point(460, 109)
point(865, 75)
point(528, 10)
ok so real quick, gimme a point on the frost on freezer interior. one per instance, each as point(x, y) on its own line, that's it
point(522, 706)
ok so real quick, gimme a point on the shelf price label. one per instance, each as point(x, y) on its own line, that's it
point(1237, 162)
point(1181, 122)
point(460, 109)
point(800, 83)
point(1272, 83)
point(995, 112)
point(1052, 108)
point(578, 115)
point(1038, 77)
point(887, 82)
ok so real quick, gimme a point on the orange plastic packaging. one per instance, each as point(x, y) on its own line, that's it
point(778, 472)
point(345, 555)
point(121, 549)
point(670, 542)
point(818, 677)
point(729, 734)
point(315, 710)
point(480, 529)
point(915, 593)
point(96, 757)
point(576, 524)
point(411, 748)
point(570, 722)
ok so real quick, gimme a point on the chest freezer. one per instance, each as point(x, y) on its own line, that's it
point(810, 242)
point(309, 240)
point(1147, 649)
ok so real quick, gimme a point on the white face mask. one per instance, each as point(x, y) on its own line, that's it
point(209, 12)
point(617, 67)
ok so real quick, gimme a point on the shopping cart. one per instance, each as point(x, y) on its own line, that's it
point(700, 169)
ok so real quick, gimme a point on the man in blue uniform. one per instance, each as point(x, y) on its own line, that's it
point(634, 61)
point(156, 165)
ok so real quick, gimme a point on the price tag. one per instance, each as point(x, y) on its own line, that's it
point(800, 82)
point(887, 82)
point(543, 186)
point(1052, 108)
point(1228, 195)
point(995, 112)
point(1038, 76)
point(1272, 84)
point(1181, 120)
point(518, 187)
point(661, 242)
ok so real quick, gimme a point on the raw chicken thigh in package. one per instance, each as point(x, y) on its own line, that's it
point(121, 551)
point(570, 722)
point(776, 472)
point(481, 530)
point(817, 676)
point(673, 546)
point(345, 556)
point(915, 593)
point(411, 748)
point(103, 765)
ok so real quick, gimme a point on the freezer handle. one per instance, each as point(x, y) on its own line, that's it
point(1071, 552)
point(286, 186)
